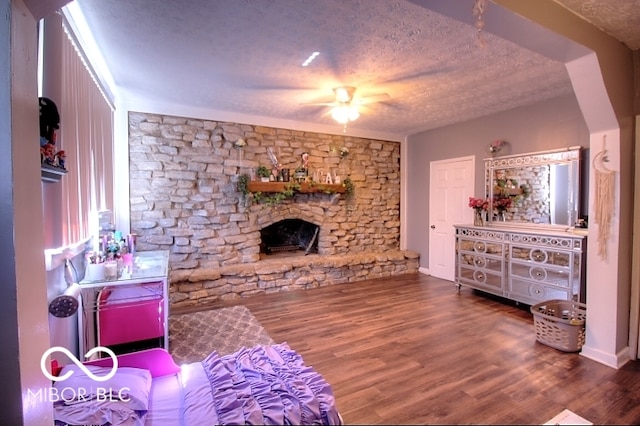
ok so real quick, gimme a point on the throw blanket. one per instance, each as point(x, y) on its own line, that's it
point(268, 385)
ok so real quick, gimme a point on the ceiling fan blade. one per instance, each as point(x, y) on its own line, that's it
point(417, 75)
point(326, 113)
point(324, 100)
point(319, 103)
point(381, 97)
point(378, 107)
point(268, 84)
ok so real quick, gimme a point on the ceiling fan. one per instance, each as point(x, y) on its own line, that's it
point(345, 107)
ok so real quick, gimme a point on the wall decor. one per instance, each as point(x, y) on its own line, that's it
point(52, 159)
point(496, 146)
point(604, 198)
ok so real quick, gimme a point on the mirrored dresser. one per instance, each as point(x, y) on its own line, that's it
point(528, 266)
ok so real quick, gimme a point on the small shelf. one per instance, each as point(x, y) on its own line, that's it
point(305, 187)
point(52, 173)
point(508, 191)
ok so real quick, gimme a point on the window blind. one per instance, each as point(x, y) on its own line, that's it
point(86, 136)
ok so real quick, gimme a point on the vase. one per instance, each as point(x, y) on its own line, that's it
point(478, 219)
point(501, 217)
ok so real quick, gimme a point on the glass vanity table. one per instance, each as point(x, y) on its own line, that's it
point(534, 253)
point(132, 309)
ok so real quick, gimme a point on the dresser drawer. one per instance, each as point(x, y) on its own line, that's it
point(542, 256)
point(481, 279)
point(481, 247)
point(533, 292)
point(478, 261)
point(557, 277)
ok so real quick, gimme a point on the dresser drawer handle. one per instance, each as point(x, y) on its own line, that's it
point(538, 256)
point(479, 277)
point(480, 247)
point(538, 274)
point(480, 262)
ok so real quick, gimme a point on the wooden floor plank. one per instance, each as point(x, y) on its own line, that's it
point(411, 350)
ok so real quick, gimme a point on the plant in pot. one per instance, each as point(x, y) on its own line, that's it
point(263, 172)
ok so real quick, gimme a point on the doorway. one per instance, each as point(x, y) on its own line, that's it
point(451, 183)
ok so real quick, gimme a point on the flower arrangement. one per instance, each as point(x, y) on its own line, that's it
point(496, 146)
point(478, 204)
point(502, 203)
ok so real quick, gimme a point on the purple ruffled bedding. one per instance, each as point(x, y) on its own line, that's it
point(258, 385)
point(268, 385)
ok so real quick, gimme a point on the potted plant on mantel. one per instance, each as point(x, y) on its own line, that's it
point(263, 172)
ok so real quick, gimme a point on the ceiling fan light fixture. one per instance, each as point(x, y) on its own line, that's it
point(344, 94)
point(345, 113)
point(353, 113)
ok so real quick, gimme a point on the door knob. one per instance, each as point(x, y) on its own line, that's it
point(433, 227)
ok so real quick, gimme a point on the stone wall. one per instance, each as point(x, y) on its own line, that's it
point(184, 196)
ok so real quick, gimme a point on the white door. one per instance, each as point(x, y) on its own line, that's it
point(451, 183)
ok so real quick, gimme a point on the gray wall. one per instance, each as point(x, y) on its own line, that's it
point(552, 124)
point(11, 393)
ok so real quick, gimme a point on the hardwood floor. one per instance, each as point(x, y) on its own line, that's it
point(410, 350)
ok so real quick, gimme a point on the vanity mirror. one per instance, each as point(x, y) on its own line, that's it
point(541, 188)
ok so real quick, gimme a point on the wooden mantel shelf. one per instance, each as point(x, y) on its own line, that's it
point(508, 191)
point(305, 187)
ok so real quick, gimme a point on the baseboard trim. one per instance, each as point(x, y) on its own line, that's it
point(614, 361)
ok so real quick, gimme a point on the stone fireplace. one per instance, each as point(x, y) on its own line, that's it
point(184, 198)
point(289, 237)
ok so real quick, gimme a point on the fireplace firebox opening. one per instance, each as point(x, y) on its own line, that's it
point(289, 237)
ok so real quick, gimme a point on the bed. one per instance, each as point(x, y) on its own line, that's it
point(260, 385)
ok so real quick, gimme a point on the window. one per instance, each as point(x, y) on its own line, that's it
point(86, 135)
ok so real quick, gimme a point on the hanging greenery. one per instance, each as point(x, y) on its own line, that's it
point(243, 184)
point(289, 190)
point(348, 186)
point(274, 198)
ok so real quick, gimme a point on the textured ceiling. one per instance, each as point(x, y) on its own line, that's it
point(618, 18)
point(245, 56)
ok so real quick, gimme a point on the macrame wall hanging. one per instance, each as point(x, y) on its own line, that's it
point(604, 198)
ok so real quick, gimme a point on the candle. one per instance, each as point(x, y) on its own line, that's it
point(111, 270)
